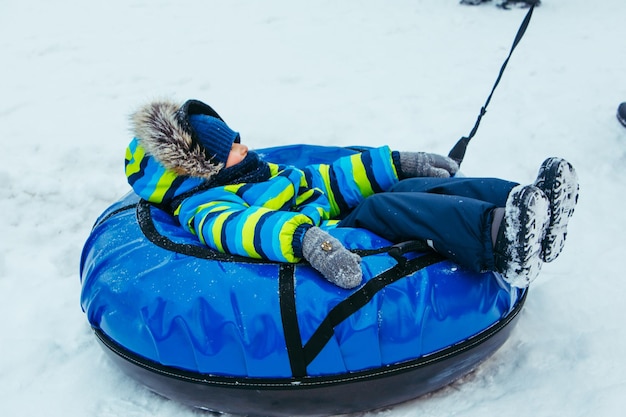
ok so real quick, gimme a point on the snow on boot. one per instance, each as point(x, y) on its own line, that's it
point(518, 246)
point(559, 182)
point(621, 113)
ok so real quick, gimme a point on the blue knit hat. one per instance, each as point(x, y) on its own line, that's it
point(214, 135)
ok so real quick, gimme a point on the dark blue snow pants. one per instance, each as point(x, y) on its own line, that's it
point(454, 215)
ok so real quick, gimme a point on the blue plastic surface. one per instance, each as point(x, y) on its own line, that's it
point(223, 318)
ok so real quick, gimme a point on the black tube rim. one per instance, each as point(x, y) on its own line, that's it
point(308, 381)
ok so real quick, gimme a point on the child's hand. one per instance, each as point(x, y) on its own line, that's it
point(423, 164)
point(331, 258)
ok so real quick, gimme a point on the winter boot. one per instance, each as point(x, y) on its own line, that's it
point(518, 3)
point(621, 113)
point(473, 2)
point(559, 182)
point(518, 246)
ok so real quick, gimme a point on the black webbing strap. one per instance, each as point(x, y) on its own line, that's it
point(113, 214)
point(359, 299)
point(301, 356)
point(291, 329)
point(458, 151)
point(149, 230)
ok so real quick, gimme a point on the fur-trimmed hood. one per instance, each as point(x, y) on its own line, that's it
point(163, 130)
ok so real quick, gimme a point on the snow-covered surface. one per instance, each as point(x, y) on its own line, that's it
point(411, 73)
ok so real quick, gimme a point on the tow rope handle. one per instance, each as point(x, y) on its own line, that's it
point(458, 151)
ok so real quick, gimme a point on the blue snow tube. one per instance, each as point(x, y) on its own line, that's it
point(244, 336)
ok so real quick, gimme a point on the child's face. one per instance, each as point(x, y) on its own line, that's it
point(237, 154)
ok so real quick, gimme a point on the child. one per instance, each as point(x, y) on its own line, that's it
point(187, 161)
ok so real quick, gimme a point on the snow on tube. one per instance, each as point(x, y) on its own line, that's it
point(243, 336)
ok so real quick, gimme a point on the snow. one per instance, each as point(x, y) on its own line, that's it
point(412, 74)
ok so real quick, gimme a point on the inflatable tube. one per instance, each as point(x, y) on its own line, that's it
point(243, 336)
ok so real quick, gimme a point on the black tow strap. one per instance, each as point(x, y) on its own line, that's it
point(458, 151)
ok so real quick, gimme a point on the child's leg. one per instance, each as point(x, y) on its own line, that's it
point(458, 227)
point(492, 190)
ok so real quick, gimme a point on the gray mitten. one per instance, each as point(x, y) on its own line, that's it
point(331, 258)
point(423, 164)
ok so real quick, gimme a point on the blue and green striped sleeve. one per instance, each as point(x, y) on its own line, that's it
point(225, 222)
point(350, 179)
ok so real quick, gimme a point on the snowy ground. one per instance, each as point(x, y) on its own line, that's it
point(409, 73)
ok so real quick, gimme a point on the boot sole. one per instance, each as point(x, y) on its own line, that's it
point(559, 182)
point(525, 220)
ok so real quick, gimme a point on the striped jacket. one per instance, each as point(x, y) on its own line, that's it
point(262, 219)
